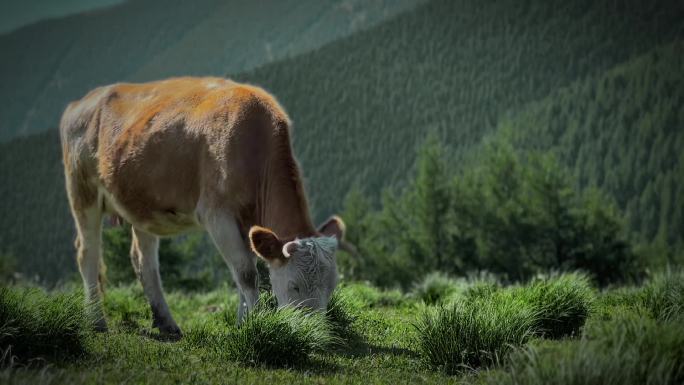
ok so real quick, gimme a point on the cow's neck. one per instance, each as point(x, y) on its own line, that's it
point(283, 206)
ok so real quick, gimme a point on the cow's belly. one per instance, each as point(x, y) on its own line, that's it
point(149, 216)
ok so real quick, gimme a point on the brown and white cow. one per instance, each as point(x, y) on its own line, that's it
point(184, 153)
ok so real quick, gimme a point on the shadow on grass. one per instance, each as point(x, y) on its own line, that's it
point(160, 337)
point(357, 346)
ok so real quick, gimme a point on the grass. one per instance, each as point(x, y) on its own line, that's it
point(663, 295)
point(435, 287)
point(562, 303)
point(280, 337)
point(481, 333)
point(471, 334)
point(342, 313)
point(626, 351)
point(35, 325)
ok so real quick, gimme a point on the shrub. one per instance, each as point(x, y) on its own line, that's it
point(562, 303)
point(285, 336)
point(625, 351)
point(517, 213)
point(470, 334)
point(435, 287)
point(663, 295)
point(36, 325)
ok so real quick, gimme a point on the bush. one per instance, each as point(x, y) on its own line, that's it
point(663, 295)
point(36, 325)
point(626, 351)
point(562, 303)
point(516, 214)
point(471, 334)
point(185, 261)
point(281, 337)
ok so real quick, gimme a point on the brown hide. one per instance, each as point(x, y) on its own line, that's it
point(154, 153)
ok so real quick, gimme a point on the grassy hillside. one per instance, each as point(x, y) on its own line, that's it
point(362, 104)
point(50, 63)
point(623, 131)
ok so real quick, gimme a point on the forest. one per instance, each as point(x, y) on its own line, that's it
point(373, 97)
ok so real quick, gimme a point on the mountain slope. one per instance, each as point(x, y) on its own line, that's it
point(51, 63)
point(17, 13)
point(624, 132)
point(361, 104)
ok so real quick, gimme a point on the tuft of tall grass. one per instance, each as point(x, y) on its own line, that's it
point(277, 337)
point(342, 313)
point(34, 324)
point(562, 302)
point(436, 287)
point(474, 333)
point(663, 295)
point(627, 350)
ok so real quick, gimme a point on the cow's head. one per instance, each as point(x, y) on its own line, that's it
point(303, 271)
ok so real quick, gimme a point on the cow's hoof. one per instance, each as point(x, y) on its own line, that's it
point(170, 332)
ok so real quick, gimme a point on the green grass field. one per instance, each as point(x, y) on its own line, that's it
point(556, 329)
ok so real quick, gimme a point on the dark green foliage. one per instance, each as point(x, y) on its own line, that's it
point(630, 147)
point(663, 295)
point(34, 324)
point(7, 268)
point(525, 217)
point(471, 334)
point(116, 246)
point(455, 67)
point(514, 215)
point(36, 224)
point(188, 262)
point(278, 337)
point(625, 351)
point(562, 303)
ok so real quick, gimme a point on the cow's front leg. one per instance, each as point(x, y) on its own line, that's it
point(145, 249)
point(225, 233)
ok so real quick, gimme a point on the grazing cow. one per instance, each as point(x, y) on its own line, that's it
point(184, 153)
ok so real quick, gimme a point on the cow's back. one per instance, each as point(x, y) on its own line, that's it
point(156, 149)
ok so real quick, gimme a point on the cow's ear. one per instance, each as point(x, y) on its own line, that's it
point(333, 227)
point(266, 244)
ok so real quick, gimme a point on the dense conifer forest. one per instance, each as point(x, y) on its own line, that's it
point(597, 86)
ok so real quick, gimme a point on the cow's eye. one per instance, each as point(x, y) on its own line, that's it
point(293, 286)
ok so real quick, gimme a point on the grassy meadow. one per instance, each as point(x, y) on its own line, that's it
point(551, 329)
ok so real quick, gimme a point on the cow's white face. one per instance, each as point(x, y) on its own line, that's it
point(303, 272)
point(310, 274)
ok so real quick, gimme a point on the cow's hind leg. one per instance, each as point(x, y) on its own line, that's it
point(89, 244)
point(145, 258)
point(225, 233)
